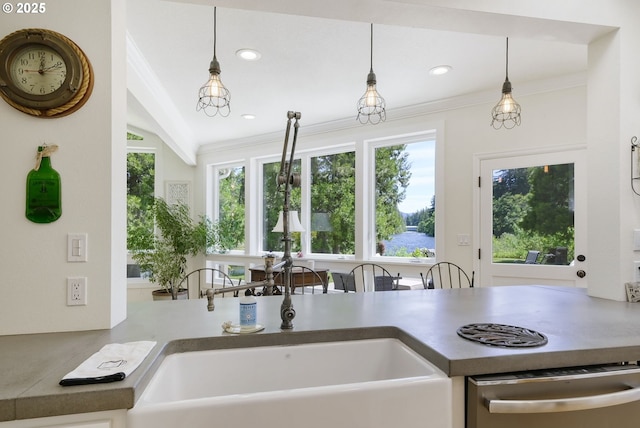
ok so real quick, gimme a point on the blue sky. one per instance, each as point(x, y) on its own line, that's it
point(422, 184)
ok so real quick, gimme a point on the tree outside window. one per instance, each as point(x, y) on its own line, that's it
point(140, 199)
point(272, 202)
point(231, 216)
point(533, 210)
point(333, 203)
point(405, 199)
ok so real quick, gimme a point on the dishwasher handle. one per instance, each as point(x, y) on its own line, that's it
point(564, 404)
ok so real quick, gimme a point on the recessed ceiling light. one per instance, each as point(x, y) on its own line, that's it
point(248, 54)
point(248, 116)
point(439, 70)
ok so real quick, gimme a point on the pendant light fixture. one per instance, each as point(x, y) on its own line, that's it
point(371, 106)
point(214, 97)
point(507, 112)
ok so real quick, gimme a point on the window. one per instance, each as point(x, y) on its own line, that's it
point(272, 203)
point(333, 181)
point(533, 214)
point(405, 199)
point(140, 198)
point(331, 202)
point(231, 216)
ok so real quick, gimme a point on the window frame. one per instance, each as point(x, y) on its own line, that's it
point(146, 146)
point(364, 149)
point(394, 140)
point(213, 209)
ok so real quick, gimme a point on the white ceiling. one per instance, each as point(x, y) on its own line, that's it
point(319, 65)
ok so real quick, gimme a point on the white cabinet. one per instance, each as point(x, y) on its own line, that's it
point(457, 402)
point(110, 419)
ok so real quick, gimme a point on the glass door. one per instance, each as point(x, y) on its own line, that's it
point(532, 220)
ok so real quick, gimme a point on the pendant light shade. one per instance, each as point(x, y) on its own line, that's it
point(214, 97)
point(371, 106)
point(294, 223)
point(507, 112)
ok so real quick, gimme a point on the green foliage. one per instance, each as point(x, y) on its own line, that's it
point(513, 181)
point(422, 252)
point(232, 218)
point(514, 246)
point(550, 205)
point(425, 219)
point(273, 201)
point(393, 172)
point(508, 211)
point(178, 237)
point(535, 214)
point(140, 199)
point(333, 192)
point(131, 136)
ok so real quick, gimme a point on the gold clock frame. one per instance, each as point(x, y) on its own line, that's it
point(73, 93)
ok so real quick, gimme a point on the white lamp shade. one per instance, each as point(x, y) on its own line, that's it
point(294, 223)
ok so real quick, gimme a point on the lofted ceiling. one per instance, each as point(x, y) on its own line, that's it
point(315, 59)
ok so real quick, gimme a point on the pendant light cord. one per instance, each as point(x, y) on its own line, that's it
point(371, 48)
point(214, 31)
point(507, 61)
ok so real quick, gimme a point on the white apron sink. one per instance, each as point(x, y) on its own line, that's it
point(362, 383)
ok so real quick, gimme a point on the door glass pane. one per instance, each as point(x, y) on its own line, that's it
point(272, 203)
point(231, 207)
point(533, 215)
point(333, 203)
point(405, 200)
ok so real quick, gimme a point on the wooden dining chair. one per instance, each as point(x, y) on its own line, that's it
point(446, 275)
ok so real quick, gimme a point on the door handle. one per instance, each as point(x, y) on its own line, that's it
point(581, 273)
point(563, 404)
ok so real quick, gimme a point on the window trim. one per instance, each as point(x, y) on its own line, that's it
point(145, 146)
point(365, 154)
point(372, 146)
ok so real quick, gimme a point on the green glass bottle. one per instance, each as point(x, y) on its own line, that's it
point(44, 204)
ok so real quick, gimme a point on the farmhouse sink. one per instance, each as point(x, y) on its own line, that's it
point(359, 383)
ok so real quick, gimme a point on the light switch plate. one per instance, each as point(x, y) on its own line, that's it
point(77, 247)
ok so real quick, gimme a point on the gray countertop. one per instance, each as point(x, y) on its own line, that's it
point(581, 330)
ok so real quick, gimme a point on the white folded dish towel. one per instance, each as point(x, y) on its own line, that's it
point(113, 362)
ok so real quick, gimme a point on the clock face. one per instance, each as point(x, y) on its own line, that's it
point(38, 70)
point(43, 73)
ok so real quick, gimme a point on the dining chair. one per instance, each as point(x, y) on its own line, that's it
point(206, 278)
point(302, 277)
point(371, 273)
point(343, 281)
point(446, 275)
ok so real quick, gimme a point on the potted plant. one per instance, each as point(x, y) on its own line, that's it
point(164, 254)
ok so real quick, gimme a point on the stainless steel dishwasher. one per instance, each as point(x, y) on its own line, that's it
point(582, 397)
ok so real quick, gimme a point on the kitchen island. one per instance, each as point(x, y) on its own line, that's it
point(581, 330)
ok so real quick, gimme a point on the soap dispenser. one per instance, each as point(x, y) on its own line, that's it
point(248, 311)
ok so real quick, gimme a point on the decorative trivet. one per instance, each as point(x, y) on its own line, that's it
point(507, 336)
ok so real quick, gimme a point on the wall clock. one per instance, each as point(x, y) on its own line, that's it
point(44, 73)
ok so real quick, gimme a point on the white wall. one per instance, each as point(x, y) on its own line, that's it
point(91, 162)
point(614, 117)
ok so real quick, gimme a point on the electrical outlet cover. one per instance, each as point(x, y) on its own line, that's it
point(76, 291)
